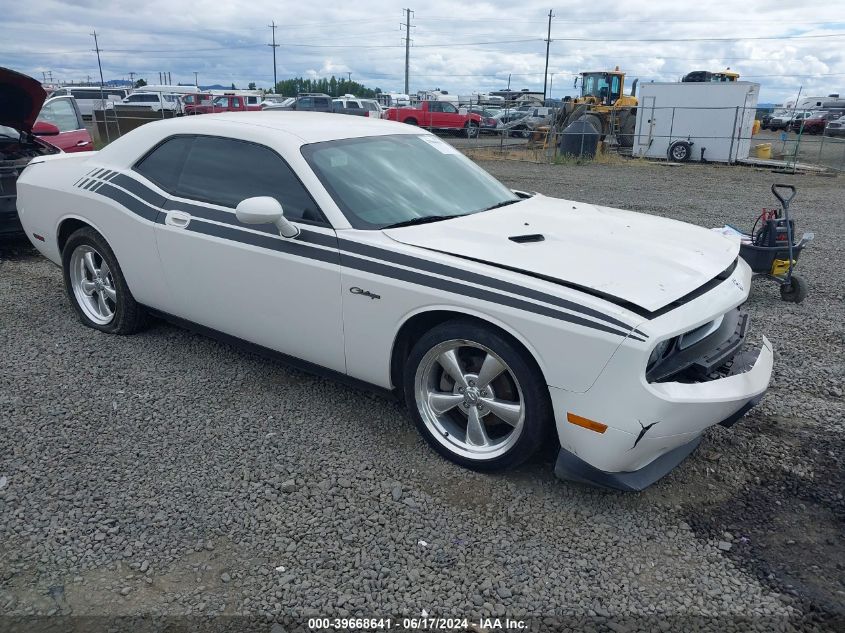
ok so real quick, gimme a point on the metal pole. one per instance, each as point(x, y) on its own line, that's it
point(733, 134)
point(274, 46)
point(102, 94)
point(548, 41)
point(407, 47)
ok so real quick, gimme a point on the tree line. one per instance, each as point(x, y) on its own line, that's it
point(334, 87)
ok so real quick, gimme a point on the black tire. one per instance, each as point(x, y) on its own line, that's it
point(538, 414)
point(680, 151)
point(795, 291)
point(129, 315)
point(626, 128)
point(410, 122)
point(472, 129)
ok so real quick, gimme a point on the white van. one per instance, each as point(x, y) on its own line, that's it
point(90, 98)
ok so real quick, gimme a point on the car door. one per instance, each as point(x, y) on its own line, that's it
point(64, 114)
point(450, 116)
point(246, 280)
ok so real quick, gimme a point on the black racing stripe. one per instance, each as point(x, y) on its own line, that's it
point(133, 204)
point(482, 280)
point(445, 285)
point(322, 239)
point(84, 182)
point(97, 187)
point(109, 175)
point(280, 244)
point(90, 184)
point(142, 191)
point(96, 173)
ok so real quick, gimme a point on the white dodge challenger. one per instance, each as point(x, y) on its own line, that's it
point(376, 252)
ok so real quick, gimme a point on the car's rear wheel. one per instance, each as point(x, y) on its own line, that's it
point(472, 129)
point(96, 286)
point(476, 396)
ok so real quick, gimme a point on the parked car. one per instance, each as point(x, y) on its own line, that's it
point(175, 99)
point(90, 98)
point(155, 101)
point(781, 119)
point(359, 107)
point(816, 122)
point(63, 113)
point(437, 115)
point(22, 99)
point(276, 100)
point(836, 128)
point(308, 102)
point(225, 103)
point(488, 121)
point(197, 101)
point(381, 254)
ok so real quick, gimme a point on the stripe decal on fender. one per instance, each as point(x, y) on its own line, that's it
point(151, 206)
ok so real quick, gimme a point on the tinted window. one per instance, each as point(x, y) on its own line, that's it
point(304, 104)
point(60, 113)
point(162, 165)
point(225, 172)
point(321, 102)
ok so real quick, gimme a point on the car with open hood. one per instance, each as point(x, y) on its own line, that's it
point(21, 98)
point(376, 252)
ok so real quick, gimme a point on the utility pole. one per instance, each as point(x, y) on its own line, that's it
point(132, 79)
point(169, 79)
point(548, 41)
point(274, 46)
point(407, 25)
point(102, 95)
point(349, 77)
point(196, 79)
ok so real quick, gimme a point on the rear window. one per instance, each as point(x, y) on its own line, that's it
point(162, 165)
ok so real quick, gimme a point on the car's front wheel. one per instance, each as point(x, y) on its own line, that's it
point(96, 285)
point(476, 396)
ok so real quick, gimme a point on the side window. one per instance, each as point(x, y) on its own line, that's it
point(449, 108)
point(221, 102)
point(226, 171)
point(163, 164)
point(252, 100)
point(321, 102)
point(305, 103)
point(61, 114)
point(435, 106)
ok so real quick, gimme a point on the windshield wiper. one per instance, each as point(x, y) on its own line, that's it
point(423, 220)
point(504, 203)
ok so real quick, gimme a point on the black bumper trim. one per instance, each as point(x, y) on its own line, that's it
point(729, 421)
point(570, 467)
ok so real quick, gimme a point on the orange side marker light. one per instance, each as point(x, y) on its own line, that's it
point(592, 425)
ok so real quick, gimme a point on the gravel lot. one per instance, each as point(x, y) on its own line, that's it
point(168, 474)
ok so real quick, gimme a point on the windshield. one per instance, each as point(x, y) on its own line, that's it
point(378, 181)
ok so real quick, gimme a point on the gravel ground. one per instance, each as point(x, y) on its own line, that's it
point(168, 474)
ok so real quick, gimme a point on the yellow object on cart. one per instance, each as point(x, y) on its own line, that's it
point(781, 266)
point(763, 150)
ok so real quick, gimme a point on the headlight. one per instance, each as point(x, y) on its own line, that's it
point(658, 353)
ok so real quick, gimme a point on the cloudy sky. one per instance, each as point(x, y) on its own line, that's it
point(457, 46)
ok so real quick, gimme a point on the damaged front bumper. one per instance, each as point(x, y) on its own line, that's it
point(651, 427)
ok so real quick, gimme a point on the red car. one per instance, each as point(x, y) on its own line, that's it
point(816, 122)
point(225, 103)
point(440, 115)
point(60, 124)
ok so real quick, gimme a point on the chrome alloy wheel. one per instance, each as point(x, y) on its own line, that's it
point(92, 284)
point(469, 399)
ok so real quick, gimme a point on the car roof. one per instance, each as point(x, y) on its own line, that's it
point(309, 127)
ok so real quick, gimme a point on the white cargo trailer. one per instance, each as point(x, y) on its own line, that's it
point(679, 121)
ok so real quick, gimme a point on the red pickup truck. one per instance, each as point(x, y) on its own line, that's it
point(224, 103)
point(438, 115)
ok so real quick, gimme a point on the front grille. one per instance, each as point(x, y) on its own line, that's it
point(710, 358)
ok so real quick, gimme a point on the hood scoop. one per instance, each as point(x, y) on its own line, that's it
point(527, 239)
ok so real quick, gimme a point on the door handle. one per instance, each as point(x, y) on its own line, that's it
point(177, 219)
point(82, 143)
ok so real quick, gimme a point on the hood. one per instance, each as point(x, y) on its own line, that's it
point(21, 98)
point(633, 257)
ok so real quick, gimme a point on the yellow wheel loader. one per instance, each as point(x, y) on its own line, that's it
point(604, 104)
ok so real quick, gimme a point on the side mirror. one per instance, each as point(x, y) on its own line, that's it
point(265, 210)
point(42, 128)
